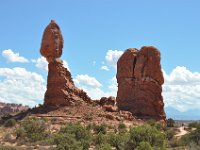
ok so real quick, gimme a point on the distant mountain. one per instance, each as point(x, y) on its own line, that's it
point(192, 114)
point(10, 108)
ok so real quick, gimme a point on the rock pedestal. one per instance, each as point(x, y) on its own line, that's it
point(60, 87)
point(61, 90)
point(140, 80)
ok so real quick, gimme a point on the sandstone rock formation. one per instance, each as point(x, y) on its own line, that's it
point(60, 86)
point(107, 101)
point(140, 80)
point(52, 42)
point(108, 104)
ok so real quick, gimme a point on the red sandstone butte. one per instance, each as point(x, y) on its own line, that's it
point(61, 90)
point(140, 80)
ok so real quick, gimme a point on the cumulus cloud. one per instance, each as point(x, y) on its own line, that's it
point(42, 63)
point(85, 80)
point(13, 57)
point(182, 89)
point(94, 88)
point(105, 68)
point(111, 59)
point(18, 85)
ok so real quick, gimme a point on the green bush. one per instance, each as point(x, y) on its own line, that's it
point(170, 134)
point(144, 146)
point(10, 122)
point(151, 122)
point(67, 142)
point(121, 127)
point(119, 141)
point(170, 122)
point(104, 147)
point(174, 142)
point(7, 148)
point(99, 139)
point(33, 129)
point(194, 125)
point(73, 136)
point(193, 137)
point(146, 133)
point(100, 128)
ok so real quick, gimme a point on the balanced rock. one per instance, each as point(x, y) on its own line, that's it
point(52, 42)
point(60, 86)
point(140, 80)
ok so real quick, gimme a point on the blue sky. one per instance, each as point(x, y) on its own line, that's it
point(95, 34)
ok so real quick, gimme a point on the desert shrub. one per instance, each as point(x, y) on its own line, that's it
point(170, 134)
point(89, 127)
point(121, 127)
point(99, 139)
point(146, 133)
point(194, 125)
point(174, 142)
point(144, 146)
point(193, 146)
point(191, 137)
point(159, 126)
point(66, 142)
point(151, 122)
point(7, 148)
point(73, 136)
point(118, 141)
point(10, 122)
point(32, 129)
point(104, 147)
point(170, 122)
point(100, 128)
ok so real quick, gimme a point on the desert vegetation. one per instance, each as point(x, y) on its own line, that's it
point(35, 132)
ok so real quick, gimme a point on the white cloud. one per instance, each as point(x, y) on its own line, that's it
point(33, 60)
point(182, 89)
point(104, 68)
point(43, 64)
point(112, 57)
point(21, 86)
point(20, 73)
point(94, 88)
point(13, 57)
point(85, 80)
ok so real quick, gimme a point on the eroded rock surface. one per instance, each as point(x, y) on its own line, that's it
point(140, 80)
point(52, 42)
point(61, 90)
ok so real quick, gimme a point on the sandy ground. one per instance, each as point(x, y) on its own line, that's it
point(181, 132)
